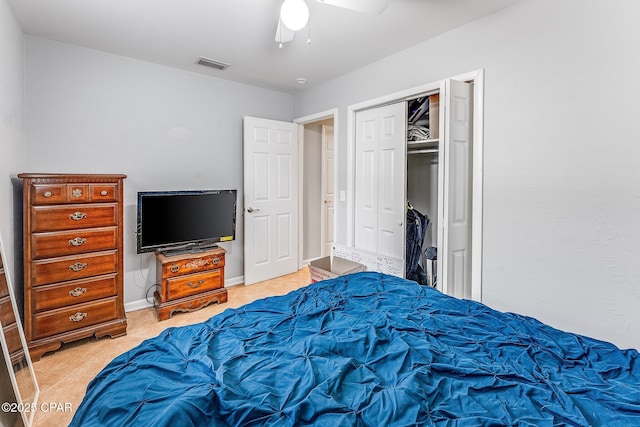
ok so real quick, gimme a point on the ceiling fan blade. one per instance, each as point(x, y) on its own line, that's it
point(283, 34)
point(373, 7)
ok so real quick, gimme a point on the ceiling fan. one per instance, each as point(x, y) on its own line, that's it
point(294, 14)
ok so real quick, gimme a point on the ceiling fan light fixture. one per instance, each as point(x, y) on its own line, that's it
point(294, 14)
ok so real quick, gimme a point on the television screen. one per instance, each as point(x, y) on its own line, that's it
point(169, 219)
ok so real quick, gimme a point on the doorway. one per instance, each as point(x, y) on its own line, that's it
point(317, 188)
point(275, 195)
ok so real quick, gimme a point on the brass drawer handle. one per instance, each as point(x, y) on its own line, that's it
point(216, 261)
point(77, 216)
point(78, 241)
point(175, 268)
point(196, 285)
point(47, 194)
point(78, 317)
point(104, 192)
point(78, 266)
point(77, 292)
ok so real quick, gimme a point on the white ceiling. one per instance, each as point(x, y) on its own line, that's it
point(241, 32)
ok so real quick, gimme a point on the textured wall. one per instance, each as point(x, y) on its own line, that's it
point(561, 165)
point(89, 111)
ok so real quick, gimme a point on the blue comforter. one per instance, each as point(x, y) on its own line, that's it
point(366, 350)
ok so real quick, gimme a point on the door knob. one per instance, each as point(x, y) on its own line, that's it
point(251, 210)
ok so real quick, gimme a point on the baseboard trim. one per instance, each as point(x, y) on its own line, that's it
point(234, 281)
point(137, 305)
point(143, 303)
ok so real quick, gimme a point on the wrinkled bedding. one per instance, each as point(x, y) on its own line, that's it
point(366, 350)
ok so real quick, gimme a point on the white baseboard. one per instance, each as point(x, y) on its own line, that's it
point(137, 305)
point(143, 303)
point(234, 281)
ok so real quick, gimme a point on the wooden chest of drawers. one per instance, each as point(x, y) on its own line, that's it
point(189, 281)
point(73, 254)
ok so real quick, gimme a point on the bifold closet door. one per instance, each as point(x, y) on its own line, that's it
point(380, 180)
point(458, 189)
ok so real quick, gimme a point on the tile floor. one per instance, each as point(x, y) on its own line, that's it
point(63, 375)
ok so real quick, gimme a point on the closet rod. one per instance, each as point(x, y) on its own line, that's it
point(422, 95)
point(427, 151)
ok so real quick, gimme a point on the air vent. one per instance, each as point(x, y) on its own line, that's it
point(212, 63)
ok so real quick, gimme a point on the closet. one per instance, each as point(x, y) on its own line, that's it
point(413, 161)
point(423, 147)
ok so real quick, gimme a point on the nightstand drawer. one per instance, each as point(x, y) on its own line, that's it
point(48, 297)
point(76, 267)
point(74, 317)
point(182, 267)
point(192, 284)
point(55, 218)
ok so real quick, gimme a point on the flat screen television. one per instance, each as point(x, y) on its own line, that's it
point(185, 220)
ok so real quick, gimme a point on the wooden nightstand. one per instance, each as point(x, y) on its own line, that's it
point(189, 281)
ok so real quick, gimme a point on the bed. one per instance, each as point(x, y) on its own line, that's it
point(366, 349)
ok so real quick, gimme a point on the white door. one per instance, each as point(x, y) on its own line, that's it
point(328, 190)
point(270, 199)
point(381, 180)
point(458, 153)
point(366, 183)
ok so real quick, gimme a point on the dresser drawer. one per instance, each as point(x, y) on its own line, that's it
point(48, 193)
point(4, 288)
point(77, 193)
point(75, 267)
point(182, 267)
point(54, 218)
point(103, 192)
point(48, 245)
point(12, 337)
point(7, 315)
point(192, 284)
point(74, 317)
point(48, 297)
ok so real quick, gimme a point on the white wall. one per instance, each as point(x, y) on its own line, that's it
point(561, 161)
point(12, 158)
point(93, 112)
point(13, 154)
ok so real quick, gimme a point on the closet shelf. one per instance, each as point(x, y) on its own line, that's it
point(424, 151)
point(422, 144)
